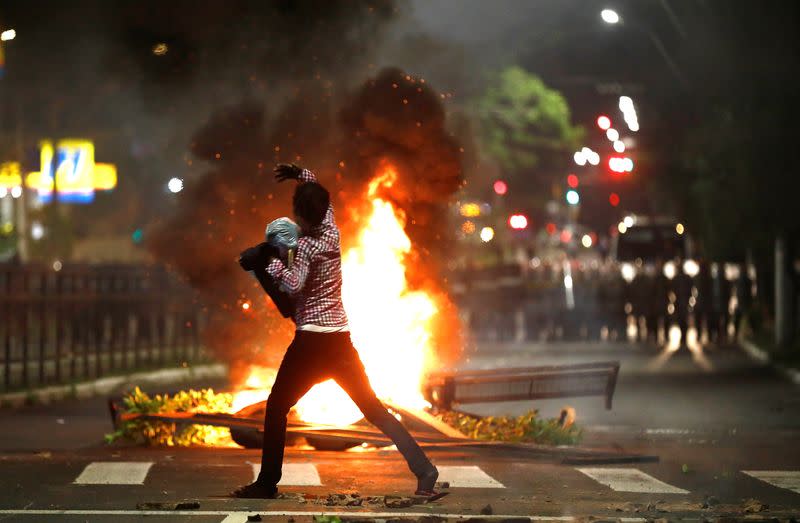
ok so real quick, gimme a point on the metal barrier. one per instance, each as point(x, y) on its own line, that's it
point(88, 321)
point(523, 383)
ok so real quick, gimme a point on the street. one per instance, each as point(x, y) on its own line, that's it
point(559, 240)
point(725, 438)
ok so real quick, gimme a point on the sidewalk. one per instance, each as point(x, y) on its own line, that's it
point(70, 423)
point(765, 357)
point(113, 384)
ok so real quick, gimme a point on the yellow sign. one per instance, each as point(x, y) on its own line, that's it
point(470, 210)
point(70, 168)
point(10, 175)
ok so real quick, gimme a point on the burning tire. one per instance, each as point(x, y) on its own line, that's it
point(250, 439)
point(323, 444)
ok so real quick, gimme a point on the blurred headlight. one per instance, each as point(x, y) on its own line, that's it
point(691, 268)
point(628, 272)
point(670, 270)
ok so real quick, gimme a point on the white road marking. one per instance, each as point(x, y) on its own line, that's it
point(271, 513)
point(786, 479)
point(114, 473)
point(630, 480)
point(295, 475)
point(467, 476)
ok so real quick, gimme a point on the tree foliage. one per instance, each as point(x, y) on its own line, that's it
point(734, 173)
point(526, 126)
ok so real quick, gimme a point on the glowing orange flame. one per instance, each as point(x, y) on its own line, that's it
point(390, 324)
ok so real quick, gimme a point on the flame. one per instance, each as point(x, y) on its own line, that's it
point(257, 387)
point(390, 324)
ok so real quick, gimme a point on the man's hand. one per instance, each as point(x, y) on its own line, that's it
point(258, 256)
point(287, 171)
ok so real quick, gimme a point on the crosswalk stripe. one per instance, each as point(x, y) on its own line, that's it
point(114, 473)
point(630, 480)
point(468, 476)
point(295, 474)
point(785, 479)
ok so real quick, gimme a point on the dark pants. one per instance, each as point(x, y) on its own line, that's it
point(312, 358)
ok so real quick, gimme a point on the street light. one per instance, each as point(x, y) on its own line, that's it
point(175, 185)
point(611, 17)
point(7, 35)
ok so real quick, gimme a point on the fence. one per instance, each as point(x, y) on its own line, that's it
point(81, 322)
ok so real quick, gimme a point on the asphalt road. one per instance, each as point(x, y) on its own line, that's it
point(726, 435)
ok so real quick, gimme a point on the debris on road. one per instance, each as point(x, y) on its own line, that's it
point(342, 500)
point(526, 428)
point(751, 506)
point(487, 510)
point(398, 502)
point(566, 417)
point(168, 505)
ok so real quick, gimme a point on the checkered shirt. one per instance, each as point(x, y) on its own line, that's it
point(315, 278)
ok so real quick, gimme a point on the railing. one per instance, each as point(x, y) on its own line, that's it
point(86, 321)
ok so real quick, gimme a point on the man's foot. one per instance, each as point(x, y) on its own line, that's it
point(256, 491)
point(427, 482)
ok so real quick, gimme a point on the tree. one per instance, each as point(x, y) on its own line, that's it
point(525, 127)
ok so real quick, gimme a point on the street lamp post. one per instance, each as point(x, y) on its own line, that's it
point(611, 17)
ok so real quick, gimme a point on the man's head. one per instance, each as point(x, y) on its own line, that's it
point(310, 204)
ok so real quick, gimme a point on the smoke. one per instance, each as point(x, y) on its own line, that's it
point(313, 116)
point(398, 118)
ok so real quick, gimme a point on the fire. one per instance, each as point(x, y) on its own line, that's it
point(258, 385)
point(390, 324)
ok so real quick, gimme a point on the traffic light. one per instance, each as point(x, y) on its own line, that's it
point(613, 199)
point(518, 221)
point(137, 236)
point(572, 181)
point(573, 198)
point(500, 187)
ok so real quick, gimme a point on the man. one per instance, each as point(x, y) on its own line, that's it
point(321, 348)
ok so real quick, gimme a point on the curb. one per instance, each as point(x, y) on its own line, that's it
point(111, 384)
point(758, 354)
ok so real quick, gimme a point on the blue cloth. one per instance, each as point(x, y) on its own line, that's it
point(283, 233)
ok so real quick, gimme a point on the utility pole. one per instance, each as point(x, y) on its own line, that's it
point(22, 201)
point(784, 291)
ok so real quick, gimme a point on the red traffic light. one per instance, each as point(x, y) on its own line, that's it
point(518, 221)
point(613, 199)
point(572, 181)
point(500, 187)
point(603, 122)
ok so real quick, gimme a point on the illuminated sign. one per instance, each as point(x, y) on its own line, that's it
point(10, 175)
point(69, 168)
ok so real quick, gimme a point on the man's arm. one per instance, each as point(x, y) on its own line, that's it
point(281, 299)
point(291, 171)
point(254, 260)
point(291, 280)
